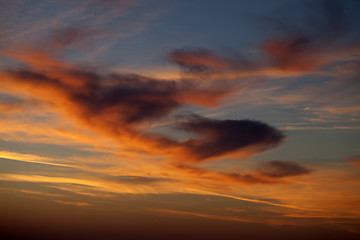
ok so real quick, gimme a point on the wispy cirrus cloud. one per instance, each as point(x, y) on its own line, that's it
point(94, 183)
point(301, 46)
point(69, 35)
point(202, 215)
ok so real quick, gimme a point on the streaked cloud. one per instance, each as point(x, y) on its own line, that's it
point(79, 204)
point(102, 185)
point(210, 216)
point(31, 158)
point(279, 169)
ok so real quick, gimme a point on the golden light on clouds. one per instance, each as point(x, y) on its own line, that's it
point(125, 119)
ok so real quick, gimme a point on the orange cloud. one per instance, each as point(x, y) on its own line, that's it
point(119, 105)
point(34, 57)
point(11, 105)
point(98, 184)
point(292, 55)
point(79, 204)
point(354, 161)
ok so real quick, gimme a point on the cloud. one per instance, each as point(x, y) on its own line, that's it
point(198, 60)
point(31, 158)
point(137, 179)
point(221, 137)
point(124, 106)
point(120, 106)
point(33, 56)
point(11, 105)
point(79, 204)
point(96, 184)
point(248, 178)
point(132, 98)
point(354, 161)
point(321, 36)
point(301, 46)
point(279, 169)
point(291, 55)
point(268, 173)
point(207, 64)
point(114, 106)
point(202, 215)
point(349, 67)
point(65, 36)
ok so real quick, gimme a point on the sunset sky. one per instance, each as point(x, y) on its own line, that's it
point(191, 119)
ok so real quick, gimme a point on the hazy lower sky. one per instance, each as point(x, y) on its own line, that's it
point(135, 119)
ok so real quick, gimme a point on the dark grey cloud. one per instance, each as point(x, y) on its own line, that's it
point(219, 137)
point(133, 98)
point(280, 169)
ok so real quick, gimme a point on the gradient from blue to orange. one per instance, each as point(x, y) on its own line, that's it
point(190, 119)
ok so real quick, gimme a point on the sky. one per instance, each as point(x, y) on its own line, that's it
point(193, 119)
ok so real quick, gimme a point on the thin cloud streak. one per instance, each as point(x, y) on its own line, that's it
point(203, 215)
point(255, 200)
point(79, 204)
point(108, 186)
point(103, 185)
point(30, 158)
